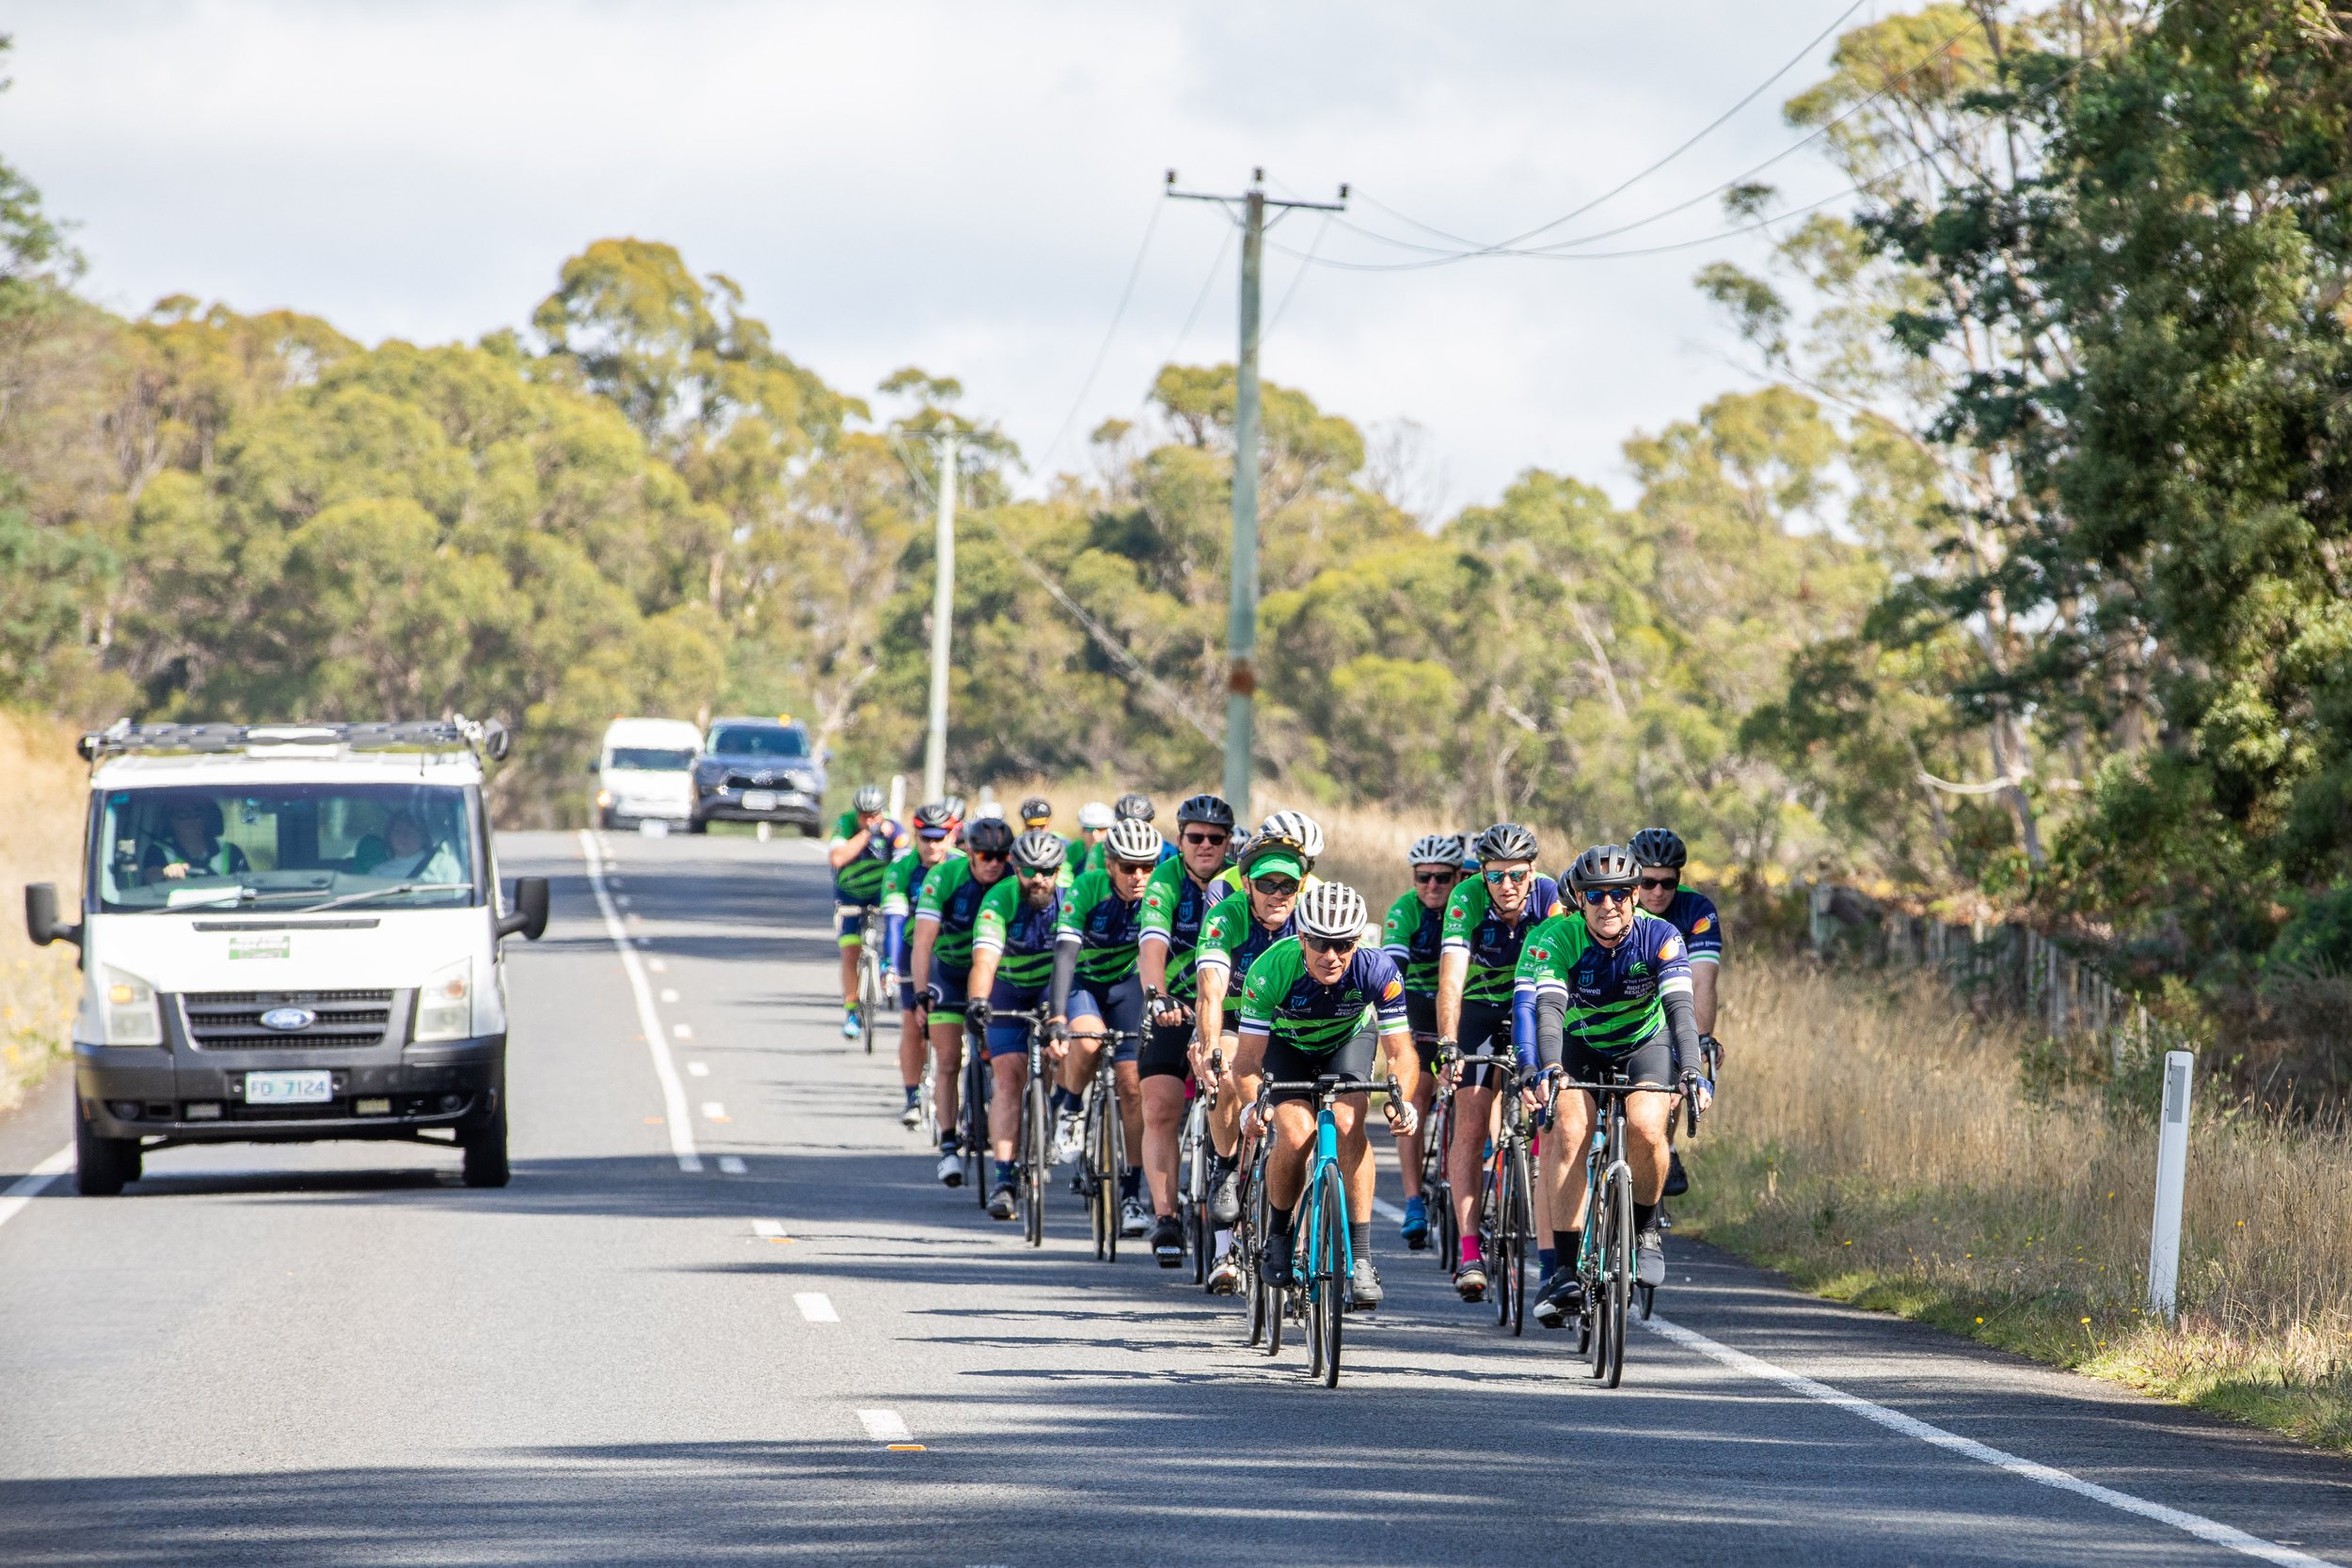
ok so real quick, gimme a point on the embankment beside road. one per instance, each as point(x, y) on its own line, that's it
point(41, 841)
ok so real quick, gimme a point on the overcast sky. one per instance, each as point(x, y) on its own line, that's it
point(961, 186)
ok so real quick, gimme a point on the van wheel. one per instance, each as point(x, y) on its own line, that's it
point(101, 1165)
point(810, 830)
point(697, 825)
point(485, 1150)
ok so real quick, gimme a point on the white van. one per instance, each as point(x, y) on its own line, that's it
point(646, 773)
point(289, 933)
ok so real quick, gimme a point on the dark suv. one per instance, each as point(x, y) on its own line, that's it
point(759, 770)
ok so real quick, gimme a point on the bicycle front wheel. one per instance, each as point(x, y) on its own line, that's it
point(1037, 1135)
point(1330, 1274)
point(1106, 1174)
point(1617, 1282)
point(1510, 1264)
point(975, 1088)
point(869, 992)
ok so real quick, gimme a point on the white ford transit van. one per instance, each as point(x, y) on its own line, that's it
point(646, 773)
point(289, 932)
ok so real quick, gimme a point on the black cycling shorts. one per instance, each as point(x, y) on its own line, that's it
point(1486, 1031)
point(1652, 1062)
point(1286, 1063)
point(1166, 1052)
point(1421, 1016)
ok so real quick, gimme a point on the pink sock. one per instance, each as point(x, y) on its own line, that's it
point(1469, 1250)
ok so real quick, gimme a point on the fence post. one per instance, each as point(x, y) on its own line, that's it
point(2164, 1236)
point(898, 797)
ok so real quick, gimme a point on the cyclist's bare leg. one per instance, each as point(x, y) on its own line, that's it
point(911, 1047)
point(1357, 1166)
point(1011, 1074)
point(1225, 1117)
point(1408, 1145)
point(1127, 1078)
point(1163, 1129)
point(851, 948)
point(947, 1072)
point(1466, 1161)
point(1077, 1064)
point(1562, 1180)
point(1647, 1117)
point(1286, 1165)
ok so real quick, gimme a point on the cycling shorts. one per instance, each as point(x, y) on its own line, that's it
point(950, 981)
point(1117, 1007)
point(906, 995)
point(1168, 1052)
point(850, 921)
point(1421, 1016)
point(1486, 1031)
point(1652, 1062)
point(1011, 1036)
point(1286, 1063)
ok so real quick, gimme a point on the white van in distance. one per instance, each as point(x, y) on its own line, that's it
point(289, 932)
point(646, 773)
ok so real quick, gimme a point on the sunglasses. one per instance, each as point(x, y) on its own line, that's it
point(990, 855)
point(1208, 838)
point(1327, 945)
point(1608, 894)
point(1041, 875)
point(1436, 878)
point(1666, 886)
point(1501, 878)
point(1118, 865)
point(1275, 887)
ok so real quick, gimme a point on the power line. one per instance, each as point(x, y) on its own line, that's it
point(1135, 270)
point(1297, 278)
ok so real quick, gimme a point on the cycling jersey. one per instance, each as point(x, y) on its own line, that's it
point(1475, 927)
point(1073, 861)
point(1232, 939)
point(1693, 915)
point(1174, 906)
point(1615, 996)
point(1021, 935)
point(859, 880)
point(1105, 927)
point(1288, 1007)
point(951, 898)
point(1410, 938)
point(901, 888)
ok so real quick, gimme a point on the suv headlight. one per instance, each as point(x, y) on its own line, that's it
point(127, 1010)
point(445, 1007)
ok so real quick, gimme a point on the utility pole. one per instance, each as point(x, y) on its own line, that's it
point(943, 618)
point(1241, 625)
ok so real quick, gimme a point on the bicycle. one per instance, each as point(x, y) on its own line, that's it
point(1506, 1228)
point(1194, 1153)
point(1322, 1293)
point(972, 1143)
point(1104, 1151)
point(1266, 1315)
point(874, 989)
point(1437, 1140)
point(1605, 1263)
point(1033, 1146)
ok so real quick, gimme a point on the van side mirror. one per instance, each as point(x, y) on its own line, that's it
point(40, 917)
point(530, 916)
point(594, 766)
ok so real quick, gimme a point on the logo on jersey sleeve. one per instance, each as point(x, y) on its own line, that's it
point(1702, 925)
point(1670, 949)
point(1541, 954)
point(1393, 991)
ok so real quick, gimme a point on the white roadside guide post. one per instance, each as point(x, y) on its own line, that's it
point(898, 797)
point(2164, 1237)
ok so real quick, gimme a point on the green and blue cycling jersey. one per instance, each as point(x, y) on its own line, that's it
point(858, 881)
point(1105, 927)
point(1175, 909)
point(1615, 996)
point(901, 888)
point(1411, 936)
point(1021, 934)
point(1693, 915)
point(952, 901)
point(1474, 927)
point(1232, 939)
point(1286, 1006)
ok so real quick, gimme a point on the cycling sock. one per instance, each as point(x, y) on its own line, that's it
point(1644, 1217)
point(1359, 1239)
point(947, 1143)
point(1545, 1258)
point(1469, 1250)
point(1003, 1173)
point(1064, 1101)
point(914, 1092)
point(1568, 1244)
point(1224, 1242)
point(1278, 1221)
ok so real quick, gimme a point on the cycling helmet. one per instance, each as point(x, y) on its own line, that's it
point(932, 820)
point(1295, 828)
point(1333, 911)
point(1603, 866)
point(1435, 849)
point(1135, 807)
point(955, 807)
point(1505, 841)
point(1210, 808)
point(1237, 845)
point(1134, 840)
point(1037, 811)
point(869, 800)
point(1094, 814)
point(989, 809)
point(1659, 846)
point(1039, 851)
point(987, 835)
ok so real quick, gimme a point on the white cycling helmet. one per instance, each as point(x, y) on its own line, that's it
point(1094, 814)
point(1437, 849)
point(1333, 911)
point(1292, 827)
point(1134, 839)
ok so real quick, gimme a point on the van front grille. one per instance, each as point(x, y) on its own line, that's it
point(232, 1020)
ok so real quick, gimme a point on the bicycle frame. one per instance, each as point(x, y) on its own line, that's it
point(1608, 1186)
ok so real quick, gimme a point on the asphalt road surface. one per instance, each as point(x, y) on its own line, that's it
point(338, 1355)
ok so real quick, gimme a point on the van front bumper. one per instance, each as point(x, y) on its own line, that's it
point(188, 1095)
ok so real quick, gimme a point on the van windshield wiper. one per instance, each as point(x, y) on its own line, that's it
point(366, 894)
point(243, 897)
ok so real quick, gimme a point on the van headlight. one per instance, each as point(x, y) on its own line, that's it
point(127, 1012)
point(445, 1007)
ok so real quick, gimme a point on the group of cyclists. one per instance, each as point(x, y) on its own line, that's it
point(1219, 961)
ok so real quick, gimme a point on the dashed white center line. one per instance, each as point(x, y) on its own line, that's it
point(713, 1111)
point(659, 966)
point(669, 993)
point(682, 1031)
point(768, 1230)
point(622, 899)
point(697, 1069)
point(818, 1310)
point(730, 1165)
point(883, 1426)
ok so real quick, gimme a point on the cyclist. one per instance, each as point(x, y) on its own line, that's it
point(1607, 988)
point(1012, 965)
point(1236, 932)
point(1175, 902)
point(1038, 812)
point(1487, 921)
point(1135, 806)
point(1661, 855)
point(1296, 828)
point(1303, 1009)
point(1097, 990)
point(945, 917)
point(932, 826)
point(1410, 936)
point(865, 842)
point(1094, 822)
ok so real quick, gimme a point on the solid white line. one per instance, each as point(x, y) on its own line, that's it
point(1387, 1211)
point(713, 1111)
point(673, 1092)
point(815, 1307)
point(768, 1230)
point(883, 1426)
point(27, 1187)
point(1911, 1426)
point(697, 1069)
point(730, 1165)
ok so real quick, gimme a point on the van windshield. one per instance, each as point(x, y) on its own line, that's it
point(762, 740)
point(652, 759)
point(286, 846)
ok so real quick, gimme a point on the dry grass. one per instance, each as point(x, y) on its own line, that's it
point(1875, 1142)
point(41, 841)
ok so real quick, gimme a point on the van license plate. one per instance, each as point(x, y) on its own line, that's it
point(289, 1089)
point(760, 800)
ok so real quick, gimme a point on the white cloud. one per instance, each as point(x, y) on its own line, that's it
point(959, 186)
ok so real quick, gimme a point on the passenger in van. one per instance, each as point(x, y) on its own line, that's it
point(406, 853)
point(191, 845)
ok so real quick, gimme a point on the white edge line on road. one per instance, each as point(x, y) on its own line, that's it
point(730, 1165)
point(883, 1426)
point(768, 1230)
point(673, 1091)
point(1387, 1211)
point(1911, 1426)
point(815, 1307)
point(27, 1187)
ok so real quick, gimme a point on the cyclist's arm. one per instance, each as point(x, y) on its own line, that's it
point(893, 938)
point(1208, 1001)
point(1452, 971)
point(1404, 1061)
point(1151, 961)
point(1703, 994)
point(844, 851)
point(1065, 969)
point(1551, 1026)
point(1681, 1031)
point(926, 933)
point(1525, 1026)
point(1250, 1061)
point(983, 974)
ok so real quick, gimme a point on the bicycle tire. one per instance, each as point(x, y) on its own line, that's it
point(975, 1087)
point(1649, 1300)
point(1196, 1194)
point(869, 991)
point(1510, 1255)
point(1330, 1280)
point(1090, 1174)
point(1620, 1279)
point(928, 1121)
point(1037, 1134)
point(1106, 1193)
point(1438, 1192)
point(1246, 1237)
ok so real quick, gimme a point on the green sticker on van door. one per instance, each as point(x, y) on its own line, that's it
point(278, 944)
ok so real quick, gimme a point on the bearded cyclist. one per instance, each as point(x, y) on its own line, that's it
point(932, 826)
point(945, 917)
point(1661, 855)
point(1303, 1009)
point(1013, 967)
point(1607, 988)
point(1175, 902)
point(1487, 921)
point(1098, 993)
point(1411, 936)
point(865, 842)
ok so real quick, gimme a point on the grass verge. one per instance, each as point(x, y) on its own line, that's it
point(41, 837)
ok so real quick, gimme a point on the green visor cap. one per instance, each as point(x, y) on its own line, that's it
point(1279, 864)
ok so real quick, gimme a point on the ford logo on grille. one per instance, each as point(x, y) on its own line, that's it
point(288, 1019)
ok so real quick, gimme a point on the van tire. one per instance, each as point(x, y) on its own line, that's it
point(697, 826)
point(485, 1150)
point(101, 1165)
point(810, 830)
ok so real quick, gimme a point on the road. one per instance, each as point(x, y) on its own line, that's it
point(338, 1355)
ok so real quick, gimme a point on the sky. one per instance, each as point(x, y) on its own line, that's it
point(966, 188)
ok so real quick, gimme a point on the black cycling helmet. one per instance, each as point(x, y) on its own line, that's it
point(1133, 806)
point(1037, 811)
point(1659, 846)
point(1039, 851)
point(1603, 866)
point(987, 835)
point(934, 816)
point(1209, 809)
point(868, 800)
point(1505, 841)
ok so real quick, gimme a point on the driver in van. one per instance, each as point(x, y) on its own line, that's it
point(191, 845)
point(407, 852)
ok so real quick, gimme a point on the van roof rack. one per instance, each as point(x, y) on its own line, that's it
point(401, 735)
